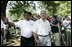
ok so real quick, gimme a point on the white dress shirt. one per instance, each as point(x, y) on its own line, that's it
point(42, 28)
point(26, 27)
point(65, 23)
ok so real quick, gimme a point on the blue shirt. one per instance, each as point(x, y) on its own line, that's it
point(53, 28)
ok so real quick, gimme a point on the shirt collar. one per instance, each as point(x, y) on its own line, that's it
point(42, 20)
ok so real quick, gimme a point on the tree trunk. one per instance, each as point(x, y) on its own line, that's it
point(3, 8)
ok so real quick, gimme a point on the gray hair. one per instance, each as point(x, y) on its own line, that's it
point(44, 11)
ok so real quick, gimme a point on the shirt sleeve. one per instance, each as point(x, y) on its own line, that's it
point(2, 24)
point(49, 27)
point(17, 24)
point(35, 27)
point(5, 26)
point(64, 23)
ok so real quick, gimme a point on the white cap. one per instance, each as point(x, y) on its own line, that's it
point(50, 16)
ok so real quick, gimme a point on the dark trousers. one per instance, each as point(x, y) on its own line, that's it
point(27, 41)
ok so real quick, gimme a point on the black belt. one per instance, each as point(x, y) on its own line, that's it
point(43, 35)
point(27, 38)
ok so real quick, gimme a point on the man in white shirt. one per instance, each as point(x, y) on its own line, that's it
point(26, 26)
point(41, 30)
point(67, 24)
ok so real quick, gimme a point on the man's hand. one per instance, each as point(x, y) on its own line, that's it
point(69, 22)
point(36, 38)
point(51, 24)
point(51, 35)
point(37, 41)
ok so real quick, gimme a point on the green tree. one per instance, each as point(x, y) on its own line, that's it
point(20, 7)
point(56, 7)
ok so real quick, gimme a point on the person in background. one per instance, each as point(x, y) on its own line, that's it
point(3, 26)
point(50, 19)
point(67, 27)
point(55, 31)
point(2, 32)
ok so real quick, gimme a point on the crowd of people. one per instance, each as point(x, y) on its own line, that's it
point(39, 30)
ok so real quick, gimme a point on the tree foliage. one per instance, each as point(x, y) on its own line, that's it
point(56, 7)
point(19, 7)
point(52, 8)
